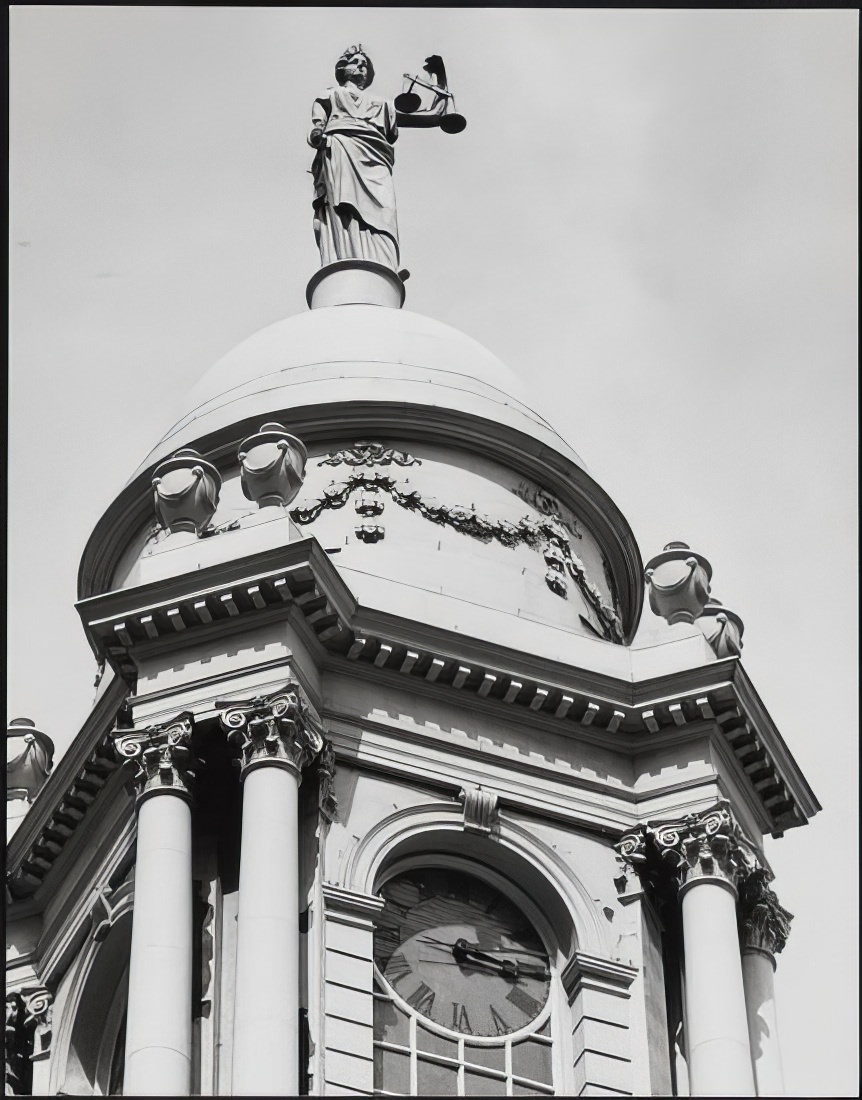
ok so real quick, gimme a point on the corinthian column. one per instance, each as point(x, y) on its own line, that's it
point(276, 742)
point(764, 927)
point(706, 854)
point(159, 1024)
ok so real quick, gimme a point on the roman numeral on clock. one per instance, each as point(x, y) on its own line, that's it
point(522, 1000)
point(422, 999)
point(500, 1025)
point(460, 1019)
point(397, 969)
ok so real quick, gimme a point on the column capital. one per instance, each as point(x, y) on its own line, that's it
point(38, 1009)
point(327, 802)
point(763, 923)
point(274, 729)
point(704, 845)
point(163, 757)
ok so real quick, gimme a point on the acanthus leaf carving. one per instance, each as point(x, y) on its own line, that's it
point(764, 923)
point(703, 845)
point(162, 756)
point(274, 728)
point(548, 505)
point(327, 802)
point(369, 454)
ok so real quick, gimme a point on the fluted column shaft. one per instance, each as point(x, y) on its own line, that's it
point(276, 742)
point(159, 1024)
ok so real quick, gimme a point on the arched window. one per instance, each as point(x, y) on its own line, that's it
point(91, 1040)
point(467, 983)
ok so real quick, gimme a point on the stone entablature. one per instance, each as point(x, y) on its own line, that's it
point(301, 577)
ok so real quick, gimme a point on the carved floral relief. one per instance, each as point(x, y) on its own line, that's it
point(548, 534)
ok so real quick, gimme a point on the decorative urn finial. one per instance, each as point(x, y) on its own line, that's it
point(29, 757)
point(185, 490)
point(722, 628)
point(678, 580)
point(273, 465)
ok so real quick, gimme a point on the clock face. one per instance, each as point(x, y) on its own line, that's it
point(460, 953)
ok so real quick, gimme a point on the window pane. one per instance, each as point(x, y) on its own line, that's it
point(391, 1070)
point(436, 1044)
point(437, 1080)
point(532, 1060)
point(492, 1057)
point(476, 1084)
point(391, 1025)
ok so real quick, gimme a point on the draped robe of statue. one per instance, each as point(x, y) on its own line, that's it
point(354, 198)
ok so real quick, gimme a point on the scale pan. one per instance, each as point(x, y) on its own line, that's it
point(452, 124)
point(407, 102)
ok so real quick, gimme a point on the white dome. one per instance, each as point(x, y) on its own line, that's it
point(343, 373)
point(356, 353)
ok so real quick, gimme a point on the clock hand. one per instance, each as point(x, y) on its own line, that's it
point(495, 950)
point(467, 952)
point(509, 968)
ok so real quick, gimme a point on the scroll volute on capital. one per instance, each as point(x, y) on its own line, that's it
point(272, 464)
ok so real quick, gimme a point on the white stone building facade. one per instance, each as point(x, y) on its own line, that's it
point(382, 791)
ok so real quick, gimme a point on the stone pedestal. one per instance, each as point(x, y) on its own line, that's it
point(355, 282)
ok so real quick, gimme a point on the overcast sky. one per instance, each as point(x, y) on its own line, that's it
point(651, 218)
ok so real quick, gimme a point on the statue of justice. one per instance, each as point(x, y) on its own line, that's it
point(353, 133)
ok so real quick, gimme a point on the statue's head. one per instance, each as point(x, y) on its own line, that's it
point(354, 67)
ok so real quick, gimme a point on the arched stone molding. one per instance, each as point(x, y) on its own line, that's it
point(91, 1007)
point(593, 1049)
point(438, 827)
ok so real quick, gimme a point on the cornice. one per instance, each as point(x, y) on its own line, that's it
point(300, 583)
point(213, 600)
point(64, 801)
point(622, 716)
